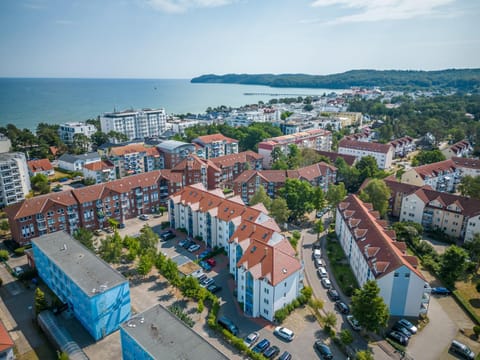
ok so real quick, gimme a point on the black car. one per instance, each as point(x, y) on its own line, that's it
point(402, 329)
point(261, 346)
point(398, 337)
point(324, 350)
point(342, 307)
point(187, 244)
point(285, 356)
point(333, 294)
point(271, 352)
point(167, 235)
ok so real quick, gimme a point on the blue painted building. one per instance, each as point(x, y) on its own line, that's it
point(98, 295)
point(158, 334)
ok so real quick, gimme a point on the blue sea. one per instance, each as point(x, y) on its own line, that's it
point(26, 102)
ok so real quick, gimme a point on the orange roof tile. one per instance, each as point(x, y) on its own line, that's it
point(6, 341)
point(99, 166)
point(207, 139)
point(40, 165)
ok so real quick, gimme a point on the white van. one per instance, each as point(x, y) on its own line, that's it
point(322, 272)
point(317, 254)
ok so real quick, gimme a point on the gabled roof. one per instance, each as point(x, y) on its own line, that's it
point(193, 162)
point(134, 148)
point(434, 169)
point(99, 166)
point(232, 159)
point(366, 146)
point(349, 159)
point(208, 139)
point(377, 247)
point(40, 165)
point(71, 158)
point(466, 162)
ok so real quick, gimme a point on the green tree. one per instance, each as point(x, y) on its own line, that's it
point(293, 157)
point(40, 301)
point(85, 237)
point(369, 308)
point(470, 186)
point(335, 195)
point(162, 209)
point(428, 157)
point(99, 138)
point(261, 196)
point(378, 194)
point(279, 211)
point(298, 195)
point(117, 136)
point(318, 228)
point(40, 183)
point(473, 248)
point(364, 355)
point(330, 319)
point(367, 166)
point(148, 239)
point(346, 337)
point(4, 225)
point(81, 143)
point(113, 223)
point(111, 248)
point(452, 264)
point(145, 264)
point(319, 200)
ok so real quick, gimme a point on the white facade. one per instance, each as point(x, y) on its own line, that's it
point(373, 255)
point(67, 131)
point(14, 179)
point(135, 124)
point(383, 159)
point(100, 175)
point(77, 162)
point(215, 219)
point(473, 227)
point(5, 144)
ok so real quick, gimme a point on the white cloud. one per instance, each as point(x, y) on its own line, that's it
point(379, 10)
point(178, 6)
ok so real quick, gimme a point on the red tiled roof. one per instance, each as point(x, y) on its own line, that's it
point(366, 146)
point(349, 159)
point(134, 148)
point(389, 256)
point(6, 341)
point(40, 165)
point(432, 170)
point(207, 139)
point(232, 159)
point(99, 165)
point(466, 162)
point(193, 162)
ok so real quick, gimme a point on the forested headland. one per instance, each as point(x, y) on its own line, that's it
point(465, 80)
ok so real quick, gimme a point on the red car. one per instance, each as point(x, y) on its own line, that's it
point(211, 262)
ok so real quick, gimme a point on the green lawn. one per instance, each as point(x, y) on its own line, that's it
point(340, 267)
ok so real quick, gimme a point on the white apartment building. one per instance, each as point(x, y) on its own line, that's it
point(440, 176)
point(383, 153)
point(67, 131)
point(14, 178)
point(374, 254)
point(267, 273)
point(317, 139)
point(135, 124)
point(5, 144)
point(100, 171)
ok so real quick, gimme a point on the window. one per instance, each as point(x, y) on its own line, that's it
point(407, 275)
point(265, 311)
point(396, 274)
point(265, 301)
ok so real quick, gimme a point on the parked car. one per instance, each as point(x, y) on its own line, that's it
point(211, 262)
point(204, 254)
point(326, 283)
point(251, 339)
point(261, 346)
point(324, 350)
point(188, 243)
point(333, 294)
point(121, 226)
point(285, 356)
point(271, 352)
point(398, 337)
point(183, 242)
point(144, 217)
point(167, 235)
point(462, 350)
point(213, 288)
point(342, 307)
point(228, 324)
point(205, 266)
point(353, 323)
point(319, 263)
point(441, 291)
point(402, 329)
point(284, 333)
point(322, 272)
point(207, 282)
point(408, 325)
point(317, 253)
point(17, 271)
point(193, 248)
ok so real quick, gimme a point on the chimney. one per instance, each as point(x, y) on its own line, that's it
point(265, 251)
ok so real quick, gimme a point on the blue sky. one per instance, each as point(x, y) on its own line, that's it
point(186, 38)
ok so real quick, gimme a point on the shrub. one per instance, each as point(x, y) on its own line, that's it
point(200, 306)
point(3, 255)
point(281, 314)
point(20, 251)
point(476, 330)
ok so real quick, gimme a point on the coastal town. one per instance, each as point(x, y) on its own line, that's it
point(316, 233)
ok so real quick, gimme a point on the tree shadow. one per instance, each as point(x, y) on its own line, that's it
point(181, 303)
point(158, 286)
point(165, 297)
point(310, 318)
point(475, 303)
